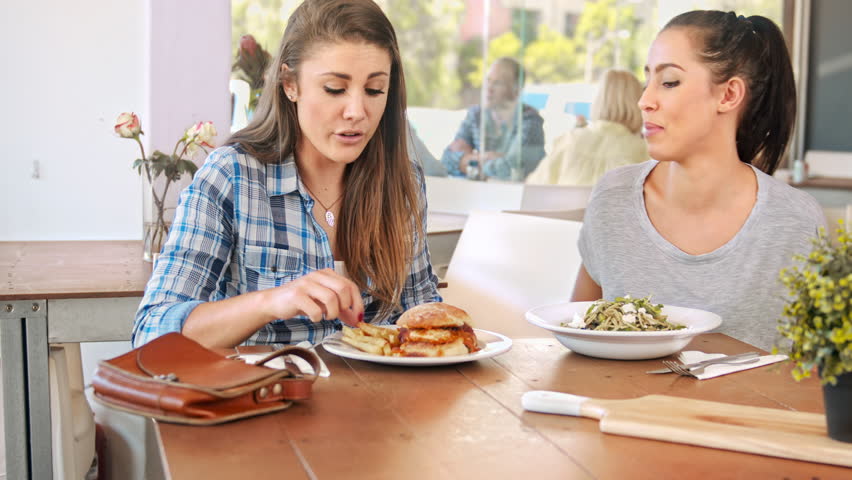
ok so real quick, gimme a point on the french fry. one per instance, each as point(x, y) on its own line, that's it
point(373, 345)
point(352, 332)
point(372, 338)
point(389, 334)
point(361, 341)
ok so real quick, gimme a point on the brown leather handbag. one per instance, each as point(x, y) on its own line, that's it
point(175, 379)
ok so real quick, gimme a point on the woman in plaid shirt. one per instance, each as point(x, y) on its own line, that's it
point(313, 214)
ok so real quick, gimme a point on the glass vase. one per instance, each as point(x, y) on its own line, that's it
point(154, 236)
point(158, 207)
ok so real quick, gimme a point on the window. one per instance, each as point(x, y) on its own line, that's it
point(449, 46)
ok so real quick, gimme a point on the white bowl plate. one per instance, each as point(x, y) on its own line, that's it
point(622, 345)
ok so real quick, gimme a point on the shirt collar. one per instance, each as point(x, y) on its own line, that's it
point(282, 178)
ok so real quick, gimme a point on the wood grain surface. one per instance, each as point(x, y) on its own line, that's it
point(73, 269)
point(765, 431)
point(372, 421)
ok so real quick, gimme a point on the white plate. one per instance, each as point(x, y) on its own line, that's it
point(491, 344)
point(622, 345)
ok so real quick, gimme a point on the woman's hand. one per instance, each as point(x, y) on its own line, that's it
point(320, 295)
point(466, 159)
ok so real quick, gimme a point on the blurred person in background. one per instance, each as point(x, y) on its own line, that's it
point(514, 137)
point(612, 138)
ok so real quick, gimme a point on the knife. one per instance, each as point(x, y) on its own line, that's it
point(725, 359)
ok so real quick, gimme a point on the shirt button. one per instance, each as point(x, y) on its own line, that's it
point(274, 269)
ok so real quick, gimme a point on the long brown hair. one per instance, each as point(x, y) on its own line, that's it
point(753, 48)
point(380, 215)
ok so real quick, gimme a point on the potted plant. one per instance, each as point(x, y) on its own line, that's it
point(170, 167)
point(817, 320)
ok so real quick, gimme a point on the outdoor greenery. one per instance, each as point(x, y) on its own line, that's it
point(818, 316)
point(439, 66)
point(427, 32)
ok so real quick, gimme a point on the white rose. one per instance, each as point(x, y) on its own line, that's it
point(206, 132)
point(127, 125)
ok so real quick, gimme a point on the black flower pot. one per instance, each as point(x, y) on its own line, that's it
point(838, 408)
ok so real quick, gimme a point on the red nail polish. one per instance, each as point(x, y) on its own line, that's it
point(361, 317)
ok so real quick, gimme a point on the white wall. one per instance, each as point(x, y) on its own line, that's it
point(69, 69)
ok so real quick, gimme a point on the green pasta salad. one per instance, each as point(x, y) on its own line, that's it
point(625, 314)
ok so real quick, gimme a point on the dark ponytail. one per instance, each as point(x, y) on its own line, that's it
point(752, 48)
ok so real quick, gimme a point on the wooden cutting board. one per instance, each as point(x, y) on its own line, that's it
point(765, 431)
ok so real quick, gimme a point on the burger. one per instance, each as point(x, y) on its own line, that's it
point(435, 330)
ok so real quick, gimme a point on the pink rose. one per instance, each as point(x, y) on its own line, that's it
point(127, 125)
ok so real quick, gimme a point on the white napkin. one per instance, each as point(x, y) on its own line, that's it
point(711, 371)
point(278, 362)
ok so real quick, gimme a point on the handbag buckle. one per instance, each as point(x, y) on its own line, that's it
point(167, 377)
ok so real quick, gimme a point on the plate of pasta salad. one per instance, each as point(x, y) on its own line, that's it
point(624, 328)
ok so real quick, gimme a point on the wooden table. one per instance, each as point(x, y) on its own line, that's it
point(55, 292)
point(370, 421)
point(70, 291)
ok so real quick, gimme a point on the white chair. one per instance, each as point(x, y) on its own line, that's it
point(460, 196)
point(575, 215)
point(505, 264)
point(131, 452)
point(554, 197)
point(71, 418)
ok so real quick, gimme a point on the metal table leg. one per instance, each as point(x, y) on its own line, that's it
point(26, 389)
point(38, 383)
point(15, 407)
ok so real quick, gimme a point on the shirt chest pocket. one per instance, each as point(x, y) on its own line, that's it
point(268, 267)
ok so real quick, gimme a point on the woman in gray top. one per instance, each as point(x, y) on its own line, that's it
point(705, 225)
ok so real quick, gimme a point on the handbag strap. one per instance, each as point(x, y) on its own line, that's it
point(298, 385)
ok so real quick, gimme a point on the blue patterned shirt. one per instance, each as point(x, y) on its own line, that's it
point(243, 226)
point(520, 146)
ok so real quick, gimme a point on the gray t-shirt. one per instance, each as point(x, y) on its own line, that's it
point(624, 254)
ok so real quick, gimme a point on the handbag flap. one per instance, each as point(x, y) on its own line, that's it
point(182, 360)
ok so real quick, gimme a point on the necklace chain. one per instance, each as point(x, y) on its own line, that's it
point(329, 217)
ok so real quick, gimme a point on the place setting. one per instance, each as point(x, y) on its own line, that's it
point(430, 334)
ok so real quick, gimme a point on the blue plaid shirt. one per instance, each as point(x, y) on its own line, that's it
point(243, 226)
point(521, 146)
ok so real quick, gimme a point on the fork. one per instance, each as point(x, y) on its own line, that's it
point(698, 370)
point(324, 371)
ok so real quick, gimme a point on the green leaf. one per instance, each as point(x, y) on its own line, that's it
point(186, 166)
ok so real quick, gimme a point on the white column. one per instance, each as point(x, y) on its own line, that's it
point(189, 65)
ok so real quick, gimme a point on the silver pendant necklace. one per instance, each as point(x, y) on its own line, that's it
point(329, 217)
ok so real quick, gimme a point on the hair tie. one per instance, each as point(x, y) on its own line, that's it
point(741, 18)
